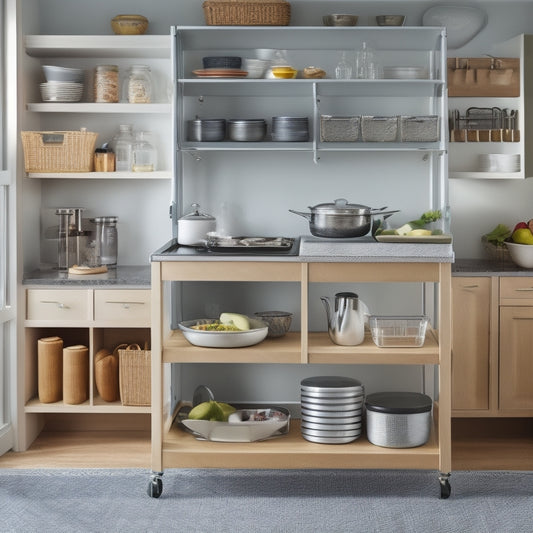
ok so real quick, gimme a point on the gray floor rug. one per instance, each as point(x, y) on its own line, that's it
point(273, 501)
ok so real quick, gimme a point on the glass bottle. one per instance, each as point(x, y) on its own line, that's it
point(106, 240)
point(144, 153)
point(366, 64)
point(123, 146)
point(140, 85)
point(343, 71)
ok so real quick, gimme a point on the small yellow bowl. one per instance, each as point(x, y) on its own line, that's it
point(286, 73)
point(129, 24)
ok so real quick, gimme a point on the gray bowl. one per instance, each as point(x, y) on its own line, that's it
point(390, 20)
point(278, 322)
point(340, 20)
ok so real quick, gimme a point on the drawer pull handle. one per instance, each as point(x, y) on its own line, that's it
point(60, 305)
point(125, 305)
point(470, 286)
point(526, 289)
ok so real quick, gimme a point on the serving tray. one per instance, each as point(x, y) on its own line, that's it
point(250, 244)
point(429, 239)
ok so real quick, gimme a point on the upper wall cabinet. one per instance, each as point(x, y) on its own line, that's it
point(489, 134)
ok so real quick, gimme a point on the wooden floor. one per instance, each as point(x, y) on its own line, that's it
point(131, 449)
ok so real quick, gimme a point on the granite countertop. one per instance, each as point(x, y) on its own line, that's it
point(488, 267)
point(123, 277)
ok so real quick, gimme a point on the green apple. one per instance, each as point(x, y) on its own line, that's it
point(207, 411)
point(227, 409)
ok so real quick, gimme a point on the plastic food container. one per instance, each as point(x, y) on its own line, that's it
point(339, 129)
point(398, 331)
point(398, 419)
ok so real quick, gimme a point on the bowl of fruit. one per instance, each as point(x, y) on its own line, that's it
point(520, 244)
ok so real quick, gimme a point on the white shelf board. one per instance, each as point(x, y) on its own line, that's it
point(89, 107)
point(157, 175)
point(134, 46)
point(487, 175)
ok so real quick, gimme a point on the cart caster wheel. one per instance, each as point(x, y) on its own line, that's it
point(445, 487)
point(155, 488)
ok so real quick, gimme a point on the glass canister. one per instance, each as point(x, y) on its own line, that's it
point(139, 85)
point(106, 84)
point(106, 240)
point(123, 146)
point(144, 153)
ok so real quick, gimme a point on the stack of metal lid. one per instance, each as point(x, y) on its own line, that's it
point(332, 409)
point(290, 129)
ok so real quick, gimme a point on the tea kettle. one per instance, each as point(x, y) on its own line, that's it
point(346, 319)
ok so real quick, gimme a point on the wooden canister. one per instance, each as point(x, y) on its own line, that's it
point(50, 369)
point(106, 375)
point(75, 374)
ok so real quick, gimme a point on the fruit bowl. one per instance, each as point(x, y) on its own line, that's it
point(521, 254)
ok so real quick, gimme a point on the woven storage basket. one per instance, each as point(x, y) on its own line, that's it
point(135, 371)
point(496, 253)
point(247, 13)
point(58, 151)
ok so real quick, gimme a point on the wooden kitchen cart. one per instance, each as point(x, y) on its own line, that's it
point(173, 448)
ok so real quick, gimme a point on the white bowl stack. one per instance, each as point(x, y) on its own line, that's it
point(499, 162)
point(332, 409)
point(62, 84)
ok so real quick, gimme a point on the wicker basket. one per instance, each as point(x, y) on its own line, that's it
point(496, 253)
point(247, 13)
point(135, 371)
point(58, 151)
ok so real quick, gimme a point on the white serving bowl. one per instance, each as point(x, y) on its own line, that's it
point(72, 75)
point(521, 254)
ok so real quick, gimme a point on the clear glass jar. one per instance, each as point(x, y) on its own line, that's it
point(123, 147)
point(106, 240)
point(144, 153)
point(106, 84)
point(139, 85)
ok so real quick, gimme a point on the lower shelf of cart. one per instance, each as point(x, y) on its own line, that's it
point(96, 406)
point(182, 450)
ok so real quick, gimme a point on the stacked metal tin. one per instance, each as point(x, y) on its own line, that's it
point(332, 409)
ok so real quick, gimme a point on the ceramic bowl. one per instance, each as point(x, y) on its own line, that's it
point(521, 254)
point(63, 74)
point(342, 19)
point(285, 73)
point(390, 20)
point(129, 24)
point(278, 322)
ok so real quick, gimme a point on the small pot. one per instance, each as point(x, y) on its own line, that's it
point(194, 227)
point(341, 219)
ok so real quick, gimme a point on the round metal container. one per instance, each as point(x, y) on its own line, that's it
point(398, 419)
point(316, 433)
point(331, 395)
point(335, 401)
point(334, 408)
point(331, 414)
point(206, 130)
point(323, 384)
point(332, 421)
point(251, 130)
point(329, 440)
point(330, 427)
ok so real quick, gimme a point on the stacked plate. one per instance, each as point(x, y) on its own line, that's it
point(213, 129)
point(290, 129)
point(405, 73)
point(332, 409)
point(247, 129)
point(61, 91)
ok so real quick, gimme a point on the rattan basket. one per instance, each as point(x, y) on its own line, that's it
point(135, 372)
point(247, 13)
point(58, 151)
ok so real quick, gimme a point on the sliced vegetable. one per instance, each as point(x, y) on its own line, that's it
point(498, 235)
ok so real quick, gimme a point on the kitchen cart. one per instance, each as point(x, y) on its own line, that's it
point(174, 448)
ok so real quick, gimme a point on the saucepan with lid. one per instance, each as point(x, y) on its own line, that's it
point(341, 219)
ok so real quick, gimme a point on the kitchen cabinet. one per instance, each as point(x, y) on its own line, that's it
point(173, 448)
point(464, 160)
point(96, 318)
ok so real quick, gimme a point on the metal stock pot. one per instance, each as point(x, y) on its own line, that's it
point(341, 219)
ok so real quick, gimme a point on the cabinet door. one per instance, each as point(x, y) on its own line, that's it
point(470, 342)
point(516, 358)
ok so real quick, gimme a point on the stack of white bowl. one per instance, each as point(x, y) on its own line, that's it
point(255, 67)
point(62, 84)
point(332, 409)
point(499, 162)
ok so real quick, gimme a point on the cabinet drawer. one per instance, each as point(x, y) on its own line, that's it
point(113, 305)
point(58, 305)
point(516, 288)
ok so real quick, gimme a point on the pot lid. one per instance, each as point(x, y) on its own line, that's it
point(196, 215)
point(340, 206)
point(398, 402)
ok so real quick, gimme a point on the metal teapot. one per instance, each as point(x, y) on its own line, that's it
point(346, 319)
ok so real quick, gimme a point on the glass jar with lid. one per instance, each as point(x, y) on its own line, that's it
point(139, 85)
point(123, 146)
point(106, 238)
point(144, 153)
point(106, 84)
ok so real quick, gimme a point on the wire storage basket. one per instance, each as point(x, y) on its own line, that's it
point(247, 13)
point(58, 151)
